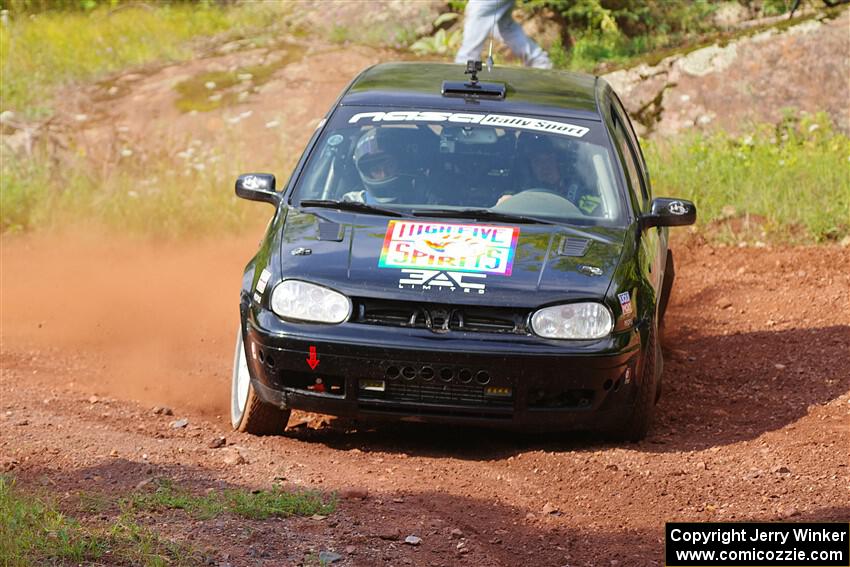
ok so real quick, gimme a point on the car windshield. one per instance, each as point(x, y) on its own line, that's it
point(441, 162)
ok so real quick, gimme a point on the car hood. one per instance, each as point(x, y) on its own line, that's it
point(349, 252)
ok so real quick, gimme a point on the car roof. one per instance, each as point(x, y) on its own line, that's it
point(528, 91)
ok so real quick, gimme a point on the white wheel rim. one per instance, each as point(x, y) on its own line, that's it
point(243, 379)
point(241, 382)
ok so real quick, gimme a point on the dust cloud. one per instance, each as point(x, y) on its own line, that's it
point(152, 321)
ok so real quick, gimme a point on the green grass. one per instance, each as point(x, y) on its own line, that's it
point(257, 505)
point(340, 34)
point(592, 49)
point(33, 531)
point(135, 544)
point(42, 51)
point(165, 201)
point(393, 34)
point(24, 188)
point(788, 183)
point(148, 193)
point(168, 497)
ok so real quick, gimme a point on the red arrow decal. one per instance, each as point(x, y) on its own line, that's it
point(313, 360)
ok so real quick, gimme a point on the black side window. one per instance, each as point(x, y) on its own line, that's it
point(636, 184)
point(630, 133)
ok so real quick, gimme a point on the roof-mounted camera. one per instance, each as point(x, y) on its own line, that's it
point(473, 88)
point(472, 68)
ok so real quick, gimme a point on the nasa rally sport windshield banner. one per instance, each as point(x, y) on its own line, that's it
point(531, 123)
point(477, 248)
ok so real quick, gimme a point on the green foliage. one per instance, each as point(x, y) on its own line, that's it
point(587, 14)
point(441, 43)
point(559, 55)
point(257, 505)
point(775, 7)
point(615, 31)
point(457, 5)
point(445, 41)
point(37, 6)
point(446, 18)
point(46, 50)
point(793, 179)
point(631, 17)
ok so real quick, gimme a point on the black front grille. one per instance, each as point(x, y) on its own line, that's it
point(435, 392)
point(440, 317)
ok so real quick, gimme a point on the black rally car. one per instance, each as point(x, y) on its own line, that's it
point(449, 248)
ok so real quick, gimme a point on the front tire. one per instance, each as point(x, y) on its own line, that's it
point(248, 413)
point(636, 423)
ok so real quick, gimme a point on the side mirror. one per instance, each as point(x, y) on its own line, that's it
point(669, 212)
point(257, 187)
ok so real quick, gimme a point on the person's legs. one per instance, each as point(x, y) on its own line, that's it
point(525, 48)
point(479, 17)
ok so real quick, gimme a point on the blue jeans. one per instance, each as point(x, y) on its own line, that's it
point(479, 20)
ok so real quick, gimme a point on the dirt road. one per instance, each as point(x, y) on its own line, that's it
point(753, 424)
point(96, 330)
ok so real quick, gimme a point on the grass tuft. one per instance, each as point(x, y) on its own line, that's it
point(257, 505)
point(168, 497)
point(33, 531)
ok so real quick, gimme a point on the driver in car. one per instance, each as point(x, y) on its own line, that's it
point(380, 159)
point(544, 173)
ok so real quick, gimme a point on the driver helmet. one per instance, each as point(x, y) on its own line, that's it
point(378, 157)
point(540, 158)
point(529, 143)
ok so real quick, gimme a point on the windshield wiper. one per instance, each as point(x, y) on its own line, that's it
point(356, 206)
point(482, 214)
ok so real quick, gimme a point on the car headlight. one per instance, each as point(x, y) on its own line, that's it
point(302, 301)
point(573, 321)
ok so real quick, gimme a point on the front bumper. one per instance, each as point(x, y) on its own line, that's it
point(364, 374)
